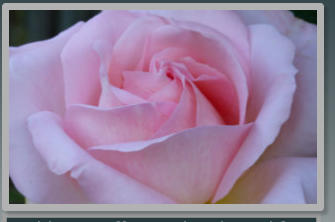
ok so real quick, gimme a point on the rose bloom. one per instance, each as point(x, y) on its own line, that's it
point(167, 107)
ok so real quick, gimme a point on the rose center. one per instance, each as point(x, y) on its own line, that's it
point(170, 75)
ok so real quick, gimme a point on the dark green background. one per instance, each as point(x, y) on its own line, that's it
point(34, 25)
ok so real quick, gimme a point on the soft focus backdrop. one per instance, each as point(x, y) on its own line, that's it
point(28, 26)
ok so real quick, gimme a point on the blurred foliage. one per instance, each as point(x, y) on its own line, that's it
point(34, 25)
point(14, 196)
point(307, 15)
point(28, 26)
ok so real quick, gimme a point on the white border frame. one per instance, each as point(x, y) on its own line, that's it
point(319, 206)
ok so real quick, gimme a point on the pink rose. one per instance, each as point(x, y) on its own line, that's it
point(167, 107)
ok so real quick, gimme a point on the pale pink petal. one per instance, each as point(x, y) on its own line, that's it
point(199, 69)
point(241, 54)
point(112, 97)
point(92, 126)
point(298, 135)
point(272, 89)
point(99, 182)
point(144, 84)
point(183, 116)
point(36, 83)
point(222, 95)
point(186, 166)
point(280, 19)
point(217, 54)
point(165, 56)
point(81, 62)
point(206, 114)
point(277, 181)
point(169, 93)
point(223, 21)
point(129, 49)
point(132, 146)
point(218, 89)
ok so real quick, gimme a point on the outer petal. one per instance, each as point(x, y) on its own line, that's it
point(280, 19)
point(298, 135)
point(277, 181)
point(272, 89)
point(186, 166)
point(223, 21)
point(81, 62)
point(36, 83)
point(101, 183)
point(91, 126)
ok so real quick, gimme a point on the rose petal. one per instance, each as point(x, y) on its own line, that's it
point(91, 126)
point(112, 97)
point(273, 86)
point(218, 89)
point(223, 21)
point(129, 49)
point(198, 69)
point(81, 62)
point(280, 19)
point(169, 93)
point(144, 84)
point(206, 114)
point(185, 166)
point(277, 181)
point(183, 116)
point(36, 83)
point(101, 183)
point(165, 56)
point(298, 135)
point(242, 56)
point(217, 54)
